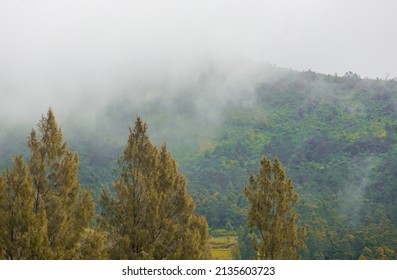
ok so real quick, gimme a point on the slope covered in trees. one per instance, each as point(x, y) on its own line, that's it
point(335, 136)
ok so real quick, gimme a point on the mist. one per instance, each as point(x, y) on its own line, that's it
point(79, 56)
point(222, 83)
point(352, 195)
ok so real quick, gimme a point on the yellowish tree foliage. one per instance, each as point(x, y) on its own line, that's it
point(23, 233)
point(271, 196)
point(151, 215)
point(53, 169)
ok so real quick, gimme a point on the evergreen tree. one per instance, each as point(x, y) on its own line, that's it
point(23, 233)
point(151, 215)
point(53, 169)
point(244, 250)
point(271, 196)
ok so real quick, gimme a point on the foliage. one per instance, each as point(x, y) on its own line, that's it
point(44, 214)
point(271, 196)
point(151, 216)
point(53, 169)
point(244, 248)
point(336, 137)
point(23, 232)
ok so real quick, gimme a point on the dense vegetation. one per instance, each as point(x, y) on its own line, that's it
point(335, 136)
point(271, 196)
point(44, 215)
point(152, 215)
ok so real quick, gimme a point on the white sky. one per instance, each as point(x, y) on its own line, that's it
point(60, 48)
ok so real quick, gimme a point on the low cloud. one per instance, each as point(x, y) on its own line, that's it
point(78, 56)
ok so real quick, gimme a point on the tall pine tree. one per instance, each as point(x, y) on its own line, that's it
point(271, 196)
point(151, 215)
point(53, 169)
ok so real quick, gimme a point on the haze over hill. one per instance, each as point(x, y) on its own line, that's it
point(336, 137)
point(215, 81)
point(77, 55)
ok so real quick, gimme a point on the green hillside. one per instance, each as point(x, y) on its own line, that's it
point(336, 137)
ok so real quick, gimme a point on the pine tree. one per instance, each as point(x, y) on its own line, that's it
point(151, 215)
point(53, 169)
point(23, 233)
point(244, 250)
point(271, 196)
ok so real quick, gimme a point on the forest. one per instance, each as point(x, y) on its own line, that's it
point(83, 190)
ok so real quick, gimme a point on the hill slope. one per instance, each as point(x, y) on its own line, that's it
point(336, 137)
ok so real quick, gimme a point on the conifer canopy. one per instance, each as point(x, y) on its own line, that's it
point(151, 215)
point(271, 196)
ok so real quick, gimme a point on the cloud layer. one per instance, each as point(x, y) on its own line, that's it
point(75, 55)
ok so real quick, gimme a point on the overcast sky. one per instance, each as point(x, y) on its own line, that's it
point(51, 51)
